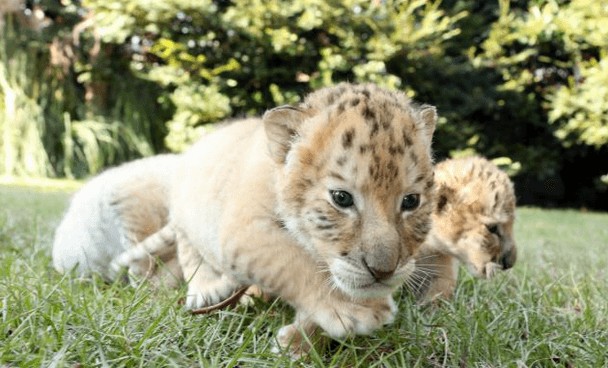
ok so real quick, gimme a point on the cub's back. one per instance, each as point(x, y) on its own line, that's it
point(209, 173)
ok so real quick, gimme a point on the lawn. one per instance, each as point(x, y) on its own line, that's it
point(551, 309)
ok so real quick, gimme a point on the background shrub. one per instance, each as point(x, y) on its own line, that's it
point(86, 84)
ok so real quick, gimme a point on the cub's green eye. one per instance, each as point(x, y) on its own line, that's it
point(341, 198)
point(410, 202)
point(493, 229)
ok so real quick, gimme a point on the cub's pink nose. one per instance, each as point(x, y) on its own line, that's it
point(380, 274)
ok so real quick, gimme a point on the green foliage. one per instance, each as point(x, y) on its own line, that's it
point(71, 104)
point(109, 80)
point(21, 116)
point(232, 58)
point(551, 59)
point(95, 142)
point(580, 109)
point(195, 105)
point(557, 52)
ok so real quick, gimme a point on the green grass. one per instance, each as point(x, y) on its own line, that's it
point(550, 310)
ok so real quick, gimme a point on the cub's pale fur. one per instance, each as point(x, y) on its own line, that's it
point(324, 205)
point(472, 223)
point(112, 212)
point(461, 183)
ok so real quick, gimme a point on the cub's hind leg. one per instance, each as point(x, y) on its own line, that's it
point(206, 285)
point(140, 205)
point(141, 258)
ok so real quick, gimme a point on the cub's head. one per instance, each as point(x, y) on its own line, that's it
point(355, 182)
point(474, 214)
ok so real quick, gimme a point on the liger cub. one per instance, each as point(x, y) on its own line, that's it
point(325, 208)
point(323, 204)
point(472, 224)
point(114, 211)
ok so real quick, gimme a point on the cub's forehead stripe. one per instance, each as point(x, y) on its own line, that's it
point(336, 175)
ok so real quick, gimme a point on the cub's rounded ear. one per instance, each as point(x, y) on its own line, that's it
point(281, 126)
point(427, 122)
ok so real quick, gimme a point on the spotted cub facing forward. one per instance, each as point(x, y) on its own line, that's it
point(323, 204)
point(472, 223)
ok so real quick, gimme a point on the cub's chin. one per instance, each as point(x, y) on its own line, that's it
point(368, 291)
point(360, 284)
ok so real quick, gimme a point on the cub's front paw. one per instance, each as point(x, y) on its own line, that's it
point(209, 293)
point(492, 269)
point(357, 317)
point(295, 340)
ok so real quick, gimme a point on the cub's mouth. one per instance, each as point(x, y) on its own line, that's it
point(374, 289)
point(358, 282)
point(490, 268)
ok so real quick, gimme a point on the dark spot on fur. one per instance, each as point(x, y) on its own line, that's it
point(413, 158)
point(343, 253)
point(331, 98)
point(391, 170)
point(341, 107)
point(387, 118)
point(376, 159)
point(396, 150)
point(341, 161)
point(407, 141)
point(279, 223)
point(347, 138)
point(303, 184)
point(368, 114)
point(334, 174)
point(441, 202)
point(496, 201)
point(363, 148)
point(355, 101)
point(374, 129)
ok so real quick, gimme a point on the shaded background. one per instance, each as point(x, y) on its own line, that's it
point(92, 83)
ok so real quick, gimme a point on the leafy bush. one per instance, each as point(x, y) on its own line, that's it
point(554, 53)
point(71, 104)
point(520, 81)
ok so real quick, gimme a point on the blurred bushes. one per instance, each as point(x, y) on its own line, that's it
point(520, 81)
